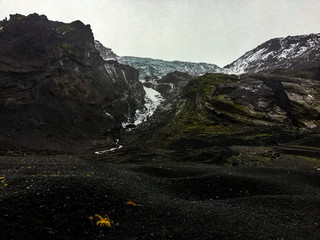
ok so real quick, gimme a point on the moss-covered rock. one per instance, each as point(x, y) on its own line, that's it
point(225, 110)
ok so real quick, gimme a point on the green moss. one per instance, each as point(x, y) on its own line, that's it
point(316, 93)
point(295, 73)
point(231, 107)
point(305, 74)
point(55, 48)
point(65, 45)
point(190, 120)
point(207, 84)
point(304, 147)
point(258, 136)
point(205, 89)
point(311, 159)
point(201, 98)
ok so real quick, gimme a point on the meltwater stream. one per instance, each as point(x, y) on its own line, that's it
point(152, 100)
point(111, 149)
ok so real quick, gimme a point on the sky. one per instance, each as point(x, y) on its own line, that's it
point(213, 31)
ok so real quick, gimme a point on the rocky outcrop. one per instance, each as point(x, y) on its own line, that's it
point(291, 53)
point(106, 53)
point(215, 112)
point(56, 88)
point(216, 103)
point(170, 85)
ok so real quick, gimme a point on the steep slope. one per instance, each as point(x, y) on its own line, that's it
point(106, 53)
point(55, 87)
point(170, 85)
point(217, 113)
point(149, 67)
point(292, 52)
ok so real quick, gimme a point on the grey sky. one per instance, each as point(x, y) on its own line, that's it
point(214, 31)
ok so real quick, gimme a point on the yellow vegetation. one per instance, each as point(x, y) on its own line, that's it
point(103, 222)
point(130, 203)
point(3, 181)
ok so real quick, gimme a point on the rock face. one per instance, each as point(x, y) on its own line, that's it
point(223, 101)
point(55, 86)
point(170, 85)
point(292, 52)
point(106, 53)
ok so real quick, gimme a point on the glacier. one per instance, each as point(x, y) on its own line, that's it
point(153, 99)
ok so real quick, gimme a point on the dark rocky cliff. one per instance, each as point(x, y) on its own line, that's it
point(55, 87)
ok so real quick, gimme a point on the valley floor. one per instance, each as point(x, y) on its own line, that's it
point(57, 197)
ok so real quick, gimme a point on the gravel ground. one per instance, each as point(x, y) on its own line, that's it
point(57, 197)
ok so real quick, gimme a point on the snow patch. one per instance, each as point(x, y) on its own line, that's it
point(108, 114)
point(153, 99)
point(111, 149)
point(289, 52)
point(124, 75)
point(301, 51)
point(310, 96)
point(111, 71)
point(264, 57)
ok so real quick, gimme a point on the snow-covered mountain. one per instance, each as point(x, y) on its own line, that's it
point(157, 68)
point(292, 52)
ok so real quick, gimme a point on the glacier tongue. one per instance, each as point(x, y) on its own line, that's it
point(153, 99)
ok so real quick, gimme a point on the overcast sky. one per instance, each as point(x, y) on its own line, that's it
point(214, 31)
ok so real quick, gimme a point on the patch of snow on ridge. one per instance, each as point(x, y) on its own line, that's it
point(288, 52)
point(256, 55)
point(153, 99)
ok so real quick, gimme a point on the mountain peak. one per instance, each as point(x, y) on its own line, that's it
point(106, 53)
point(296, 52)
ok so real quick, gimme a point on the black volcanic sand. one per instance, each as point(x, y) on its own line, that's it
point(52, 197)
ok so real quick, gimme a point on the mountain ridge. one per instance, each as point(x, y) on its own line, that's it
point(291, 52)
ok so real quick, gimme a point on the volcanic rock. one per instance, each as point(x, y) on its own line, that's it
point(56, 88)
